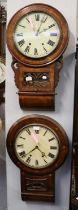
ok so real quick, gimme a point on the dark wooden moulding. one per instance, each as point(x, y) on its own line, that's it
point(74, 184)
point(39, 94)
point(38, 184)
point(2, 30)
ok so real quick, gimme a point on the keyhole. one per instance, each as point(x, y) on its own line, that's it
point(44, 77)
point(28, 78)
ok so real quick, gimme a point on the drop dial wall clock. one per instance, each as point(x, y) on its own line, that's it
point(2, 79)
point(37, 36)
point(38, 145)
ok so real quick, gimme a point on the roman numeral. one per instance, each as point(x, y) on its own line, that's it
point(53, 34)
point(51, 43)
point(51, 139)
point(22, 26)
point(19, 34)
point(45, 133)
point(22, 137)
point(22, 154)
point(27, 20)
point(36, 163)
point(22, 42)
point(37, 17)
point(51, 155)
point(44, 19)
point(28, 131)
point(37, 131)
point(45, 49)
point(45, 161)
point(53, 147)
point(35, 51)
point(20, 145)
point(28, 159)
point(27, 49)
point(51, 25)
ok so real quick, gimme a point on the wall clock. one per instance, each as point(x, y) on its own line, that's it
point(2, 79)
point(38, 145)
point(37, 36)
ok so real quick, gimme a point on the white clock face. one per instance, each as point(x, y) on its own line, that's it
point(37, 35)
point(37, 146)
point(2, 72)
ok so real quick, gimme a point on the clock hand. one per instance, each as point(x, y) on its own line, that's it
point(45, 29)
point(31, 150)
point(43, 153)
point(40, 26)
point(36, 147)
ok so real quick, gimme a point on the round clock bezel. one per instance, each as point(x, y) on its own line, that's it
point(52, 125)
point(64, 37)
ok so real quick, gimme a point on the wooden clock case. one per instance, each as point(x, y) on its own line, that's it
point(38, 184)
point(32, 95)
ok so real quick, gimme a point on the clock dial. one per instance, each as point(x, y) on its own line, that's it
point(37, 35)
point(2, 72)
point(37, 146)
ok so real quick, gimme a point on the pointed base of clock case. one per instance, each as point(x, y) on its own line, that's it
point(37, 102)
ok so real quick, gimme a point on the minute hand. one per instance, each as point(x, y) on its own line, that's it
point(43, 154)
point(40, 25)
point(31, 150)
point(43, 30)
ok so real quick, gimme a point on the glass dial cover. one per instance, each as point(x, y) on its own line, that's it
point(36, 146)
point(36, 35)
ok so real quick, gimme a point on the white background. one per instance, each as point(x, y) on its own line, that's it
point(63, 113)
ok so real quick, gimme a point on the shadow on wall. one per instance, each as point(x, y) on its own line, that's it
point(64, 87)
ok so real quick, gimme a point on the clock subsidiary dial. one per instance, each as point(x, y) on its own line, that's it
point(37, 35)
point(37, 146)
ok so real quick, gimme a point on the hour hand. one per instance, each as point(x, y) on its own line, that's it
point(45, 29)
point(43, 153)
